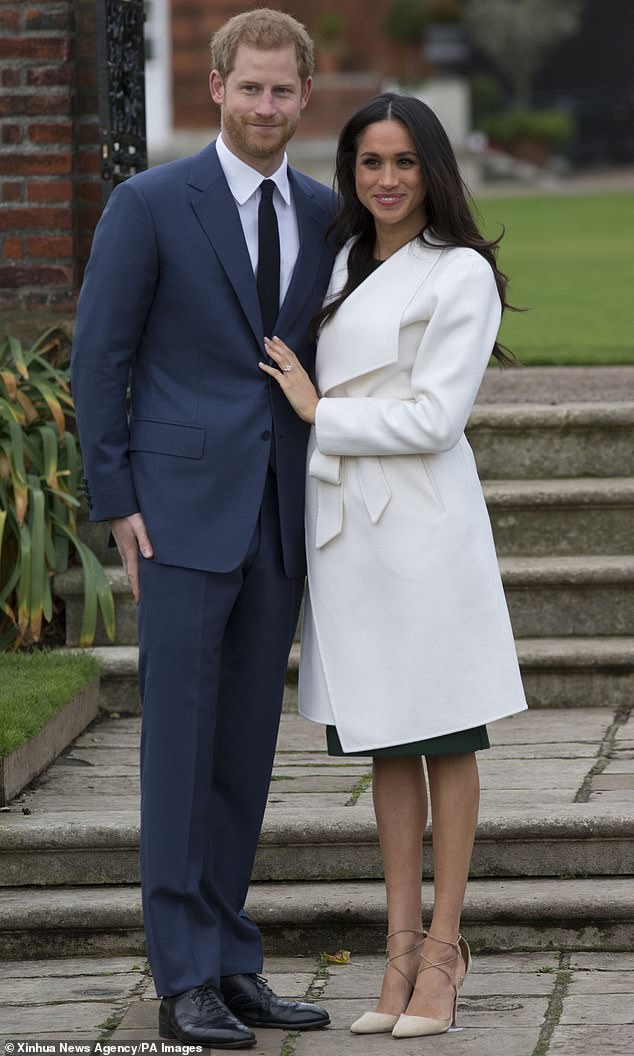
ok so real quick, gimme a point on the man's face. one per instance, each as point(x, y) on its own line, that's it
point(260, 101)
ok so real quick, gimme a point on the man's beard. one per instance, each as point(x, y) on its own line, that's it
point(251, 142)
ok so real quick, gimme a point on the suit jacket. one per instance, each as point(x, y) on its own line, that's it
point(406, 631)
point(169, 304)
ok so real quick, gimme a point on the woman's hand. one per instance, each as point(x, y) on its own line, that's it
point(291, 378)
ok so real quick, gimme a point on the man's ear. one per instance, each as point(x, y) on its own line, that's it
point(216, 87)
point(307, 87)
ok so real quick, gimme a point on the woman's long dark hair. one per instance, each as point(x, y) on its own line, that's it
point(447, 209)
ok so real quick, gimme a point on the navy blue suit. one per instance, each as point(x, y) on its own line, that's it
point(169, 304)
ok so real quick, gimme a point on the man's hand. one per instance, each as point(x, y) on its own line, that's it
point(130, 535)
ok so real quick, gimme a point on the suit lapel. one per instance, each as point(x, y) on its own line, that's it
point(310, 221)
point(218, 216)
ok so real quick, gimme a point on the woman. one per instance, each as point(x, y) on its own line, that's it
point(407, 649)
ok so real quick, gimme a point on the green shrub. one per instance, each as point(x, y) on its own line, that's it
point(40, 474)
point(330, 27)
point(406, 19)
point(554, 127)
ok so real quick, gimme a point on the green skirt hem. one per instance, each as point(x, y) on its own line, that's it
point(460, 743)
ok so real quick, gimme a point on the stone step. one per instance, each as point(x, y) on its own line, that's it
point(69, 585)
point(340, 844)
point(577, 672)
point(527, 441)
point(560, 596)
point(586, 594)
point(530, 518)
point(96, 534)
point(119, 685)
point(307, 918)
point(562, 517)
point(565, 672)
point(557, 672)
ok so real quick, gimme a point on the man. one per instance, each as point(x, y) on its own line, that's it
point(206, 480)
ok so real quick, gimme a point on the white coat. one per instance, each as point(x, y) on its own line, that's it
point(406, 632)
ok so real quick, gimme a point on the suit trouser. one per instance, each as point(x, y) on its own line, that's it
point(213, 650)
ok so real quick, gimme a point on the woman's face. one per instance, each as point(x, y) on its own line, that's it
point(389, 179)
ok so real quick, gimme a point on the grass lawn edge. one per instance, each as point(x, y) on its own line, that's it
point(49, 725)
point(22, 764)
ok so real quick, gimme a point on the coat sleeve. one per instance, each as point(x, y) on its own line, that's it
point(116, 296)
point(447, 372)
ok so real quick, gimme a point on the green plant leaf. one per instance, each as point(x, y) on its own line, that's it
point(50, 451)
point(16, 353)
point(39, 571)
point(60, 541)
point(49, 339)
point(40, 488)
point(51, 399)
point(97, 591)
point(9, 412)
point(10, 383)
point(24, 581)
point(28, 407)
point(15, 453)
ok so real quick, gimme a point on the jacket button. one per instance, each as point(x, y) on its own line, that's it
point(266, 435)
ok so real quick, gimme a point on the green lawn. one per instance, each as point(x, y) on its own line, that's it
point(33, 686)
point(570, 260)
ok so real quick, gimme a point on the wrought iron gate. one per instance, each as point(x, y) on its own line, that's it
point(121, 89)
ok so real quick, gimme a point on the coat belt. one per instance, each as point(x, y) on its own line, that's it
point(328, 470)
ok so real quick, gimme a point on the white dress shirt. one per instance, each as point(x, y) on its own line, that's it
point(244, 184)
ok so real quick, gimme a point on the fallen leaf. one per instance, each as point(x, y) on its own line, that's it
point(340, 957)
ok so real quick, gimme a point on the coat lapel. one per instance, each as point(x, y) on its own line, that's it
point(217, 214)
point(363, 336)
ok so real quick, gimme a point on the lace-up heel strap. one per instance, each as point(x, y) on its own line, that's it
point(411, 949)
point(461, 946)
point(442, 965)
point(408, 931)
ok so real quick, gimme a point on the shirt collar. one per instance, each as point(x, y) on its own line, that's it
point(243, 180)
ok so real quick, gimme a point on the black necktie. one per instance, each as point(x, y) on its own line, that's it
point(268, 279)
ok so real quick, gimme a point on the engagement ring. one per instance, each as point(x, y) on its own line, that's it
point(288, 367)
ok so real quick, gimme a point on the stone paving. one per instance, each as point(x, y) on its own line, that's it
point(524, 1004)
point(550, 1003)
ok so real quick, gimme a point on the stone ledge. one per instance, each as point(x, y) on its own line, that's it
point(335, 845)
point(565, 492)
point(582, 653)
point(498, 915)
point(24, 763)
point(517, 417)
point(119, 677)
point(568, 570)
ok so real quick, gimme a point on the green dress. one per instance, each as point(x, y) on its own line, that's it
point(460, 743)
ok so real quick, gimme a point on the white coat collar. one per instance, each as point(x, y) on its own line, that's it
point(371, 315)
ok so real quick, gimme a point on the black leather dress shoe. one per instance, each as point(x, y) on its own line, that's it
point(201, 1016)
point(255, 1004)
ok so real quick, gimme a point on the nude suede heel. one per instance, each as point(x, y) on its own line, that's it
point(423, 1026)
point(384, 1022)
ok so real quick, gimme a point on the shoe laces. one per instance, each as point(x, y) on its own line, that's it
point(263, 987)
point(262, 984)
point(205, 998)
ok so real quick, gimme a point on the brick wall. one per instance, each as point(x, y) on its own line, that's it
point(50, 186)
point(369, 53)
